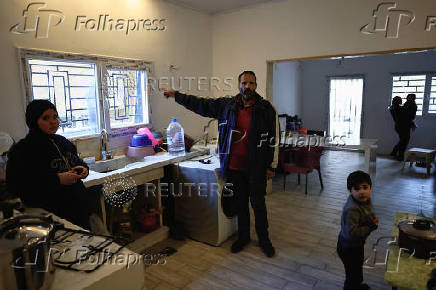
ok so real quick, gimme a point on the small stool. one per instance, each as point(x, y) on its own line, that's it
point(412, 153)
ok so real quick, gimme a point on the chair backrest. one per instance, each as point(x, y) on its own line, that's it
point(309, 157)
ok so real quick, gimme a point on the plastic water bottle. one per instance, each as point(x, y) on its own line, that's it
point(175, 138)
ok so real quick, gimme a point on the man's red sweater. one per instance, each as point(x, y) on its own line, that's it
point(240, 137)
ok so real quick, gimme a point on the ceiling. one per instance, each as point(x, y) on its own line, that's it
point(216, 6)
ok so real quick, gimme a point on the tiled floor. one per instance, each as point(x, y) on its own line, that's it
point(304, 231)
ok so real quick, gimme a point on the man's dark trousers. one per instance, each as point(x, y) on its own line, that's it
point(242, 192)
point(352, 258)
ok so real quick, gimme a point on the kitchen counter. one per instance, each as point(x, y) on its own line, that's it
point(148, 170)
point(149, 163)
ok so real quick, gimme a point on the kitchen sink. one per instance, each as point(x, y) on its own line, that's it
point(109, 165)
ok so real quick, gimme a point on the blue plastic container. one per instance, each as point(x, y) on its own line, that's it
point(139, 140)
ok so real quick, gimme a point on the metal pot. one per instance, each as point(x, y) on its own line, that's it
point(25, 258)
point(417, 235)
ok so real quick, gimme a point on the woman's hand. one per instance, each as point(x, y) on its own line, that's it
point(168, 93)
point(68, 178)
point(81, 171)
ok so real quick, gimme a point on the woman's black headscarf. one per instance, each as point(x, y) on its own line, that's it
point(34, 110)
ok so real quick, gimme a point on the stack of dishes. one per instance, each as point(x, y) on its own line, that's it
point(140, 146)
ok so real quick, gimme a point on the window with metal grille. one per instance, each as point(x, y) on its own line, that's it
point(402, 85)
point(432, 98)
point(126, 97)
point(90, 92)
point(71, 86)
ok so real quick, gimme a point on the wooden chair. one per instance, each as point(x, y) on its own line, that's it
point(306, 159)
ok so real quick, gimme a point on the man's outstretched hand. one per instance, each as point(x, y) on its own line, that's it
point(168, 93)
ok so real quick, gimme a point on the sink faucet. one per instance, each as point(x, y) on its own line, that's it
point(206, 133)
point(104, 139)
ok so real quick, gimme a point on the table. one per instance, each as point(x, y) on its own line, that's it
point(412, 153)
point(369, 146)
point(405, 271)
point(199, 205)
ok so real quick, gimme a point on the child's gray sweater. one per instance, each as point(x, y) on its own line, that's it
point(356, 223)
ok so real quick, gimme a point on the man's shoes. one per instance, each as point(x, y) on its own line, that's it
point(239, 245)
point(364, 286)
point(267, 248)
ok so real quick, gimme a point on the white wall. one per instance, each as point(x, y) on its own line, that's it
point(287, 88)
point(247, 38)
point(186, 43)
point(377, 70)
point(202, 45)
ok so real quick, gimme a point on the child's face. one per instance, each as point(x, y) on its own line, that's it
point(362, 192)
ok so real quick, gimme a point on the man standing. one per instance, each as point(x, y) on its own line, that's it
point(248, 127)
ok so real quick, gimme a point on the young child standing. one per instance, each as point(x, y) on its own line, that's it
point(410, 108)
point(357, 222)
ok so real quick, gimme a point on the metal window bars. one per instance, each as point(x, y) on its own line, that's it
point(71, 87)
point(402, 85)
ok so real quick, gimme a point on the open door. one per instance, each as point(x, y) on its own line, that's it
point(345, 108)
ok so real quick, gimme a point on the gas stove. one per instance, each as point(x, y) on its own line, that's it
point(79, 250)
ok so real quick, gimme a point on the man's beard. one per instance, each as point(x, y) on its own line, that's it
point(247, 94)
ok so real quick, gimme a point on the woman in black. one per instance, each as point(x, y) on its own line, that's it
point(395, 110)
point(403, 124)
point(44, 170)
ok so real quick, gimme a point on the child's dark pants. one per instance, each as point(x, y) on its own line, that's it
point(352, 258)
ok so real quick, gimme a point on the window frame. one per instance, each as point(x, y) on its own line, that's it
point(103, 74)
point(30, 96)
point(102, 63)
point(431, 75)
point(427, 91)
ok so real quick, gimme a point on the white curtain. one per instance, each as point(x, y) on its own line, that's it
point(346, 108)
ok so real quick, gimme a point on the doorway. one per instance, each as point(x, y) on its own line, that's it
point(345, 107)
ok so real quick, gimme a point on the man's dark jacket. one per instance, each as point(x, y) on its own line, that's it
point(263, 131)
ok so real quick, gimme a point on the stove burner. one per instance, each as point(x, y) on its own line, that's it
point(83, 251)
